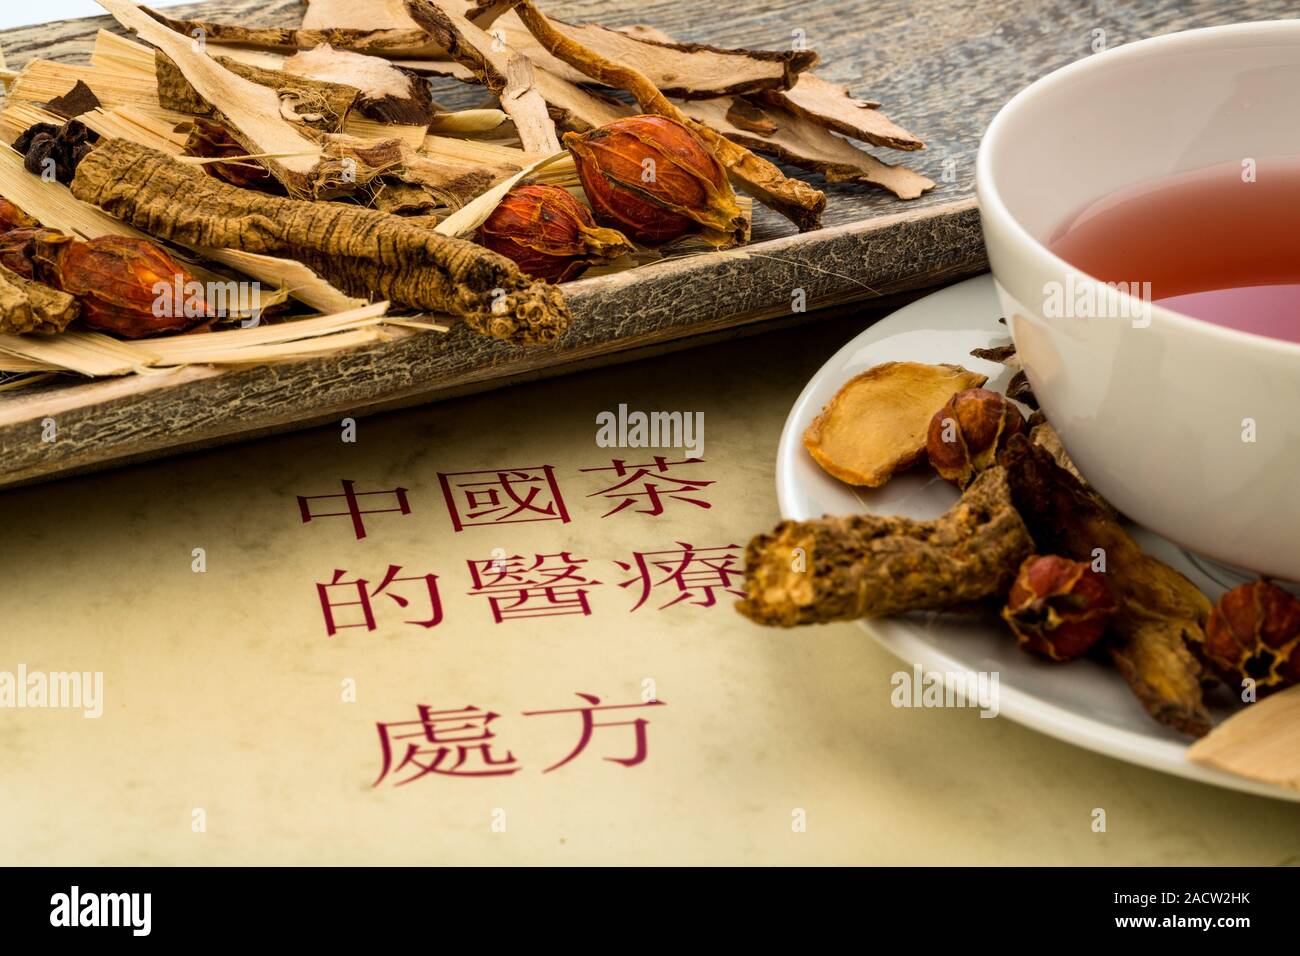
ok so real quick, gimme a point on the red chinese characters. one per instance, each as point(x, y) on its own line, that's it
point(547, 586)
point(687, 573)
point(502, 497)
point(461, 742)
point(353, 509)
point(649, 484)
point(456, 743)
point(331, 595)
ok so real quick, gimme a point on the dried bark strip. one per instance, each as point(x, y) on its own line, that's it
point(320, 105)
point(799, 141)
point(30, 306)
point(682, 70)
point(502, 70)
point(831, 105)
point(842, 569)
point(796, 200)
point(1160, 612)
point(388, 94)
point(364, 252)
point(382, 42)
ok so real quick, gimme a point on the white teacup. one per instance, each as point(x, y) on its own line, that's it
point(1191, 429)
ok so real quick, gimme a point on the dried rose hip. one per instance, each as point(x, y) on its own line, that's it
point(966, 435)
point(549, 234)
point(127, 286)
point(653, 178)
point(1254, 631)
point(1058, 608)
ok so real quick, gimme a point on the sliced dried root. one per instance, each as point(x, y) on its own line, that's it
point(876, 424)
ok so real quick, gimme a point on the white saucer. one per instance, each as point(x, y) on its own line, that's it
point(1084, 702)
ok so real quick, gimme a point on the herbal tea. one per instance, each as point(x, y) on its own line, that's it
point(1218, 244)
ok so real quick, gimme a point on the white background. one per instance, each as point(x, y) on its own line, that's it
point(21, 13)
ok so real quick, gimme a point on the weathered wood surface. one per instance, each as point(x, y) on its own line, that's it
point(940, 69)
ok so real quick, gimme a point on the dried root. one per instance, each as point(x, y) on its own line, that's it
point(841, 569)
point(363, 252)
point(1160, 612)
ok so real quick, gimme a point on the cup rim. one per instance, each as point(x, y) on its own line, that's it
point(991, 203)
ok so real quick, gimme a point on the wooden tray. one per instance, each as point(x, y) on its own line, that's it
point(940, 69)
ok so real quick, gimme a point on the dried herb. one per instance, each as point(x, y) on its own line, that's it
point(1254, 634)
point(119, 280)
point(875, 425)
point(211, 141)
point(656, 180)
point(321, 105)
point(55, 150)
point(796, 200)
point(80, 99)
point(1160, 613)
point(388, 94)
point(549, 234)
point(363, 252)
point(1058, 608)
point(793, 138)
point(841, 569)
point(28, 306)
point(966, 435)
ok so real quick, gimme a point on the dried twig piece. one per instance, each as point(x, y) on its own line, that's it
point(797, 140)
point(362, 251)
point(1160, 612)
point(842, 569)
point(30, 306)
point(796, 200)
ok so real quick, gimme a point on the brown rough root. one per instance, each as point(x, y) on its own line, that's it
point(363, 252)
point(320, 105)
point(842, 569)
point(30, 306)
point(795, 200)
point(1160, 612)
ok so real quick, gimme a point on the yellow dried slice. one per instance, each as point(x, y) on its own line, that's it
point(875, 426)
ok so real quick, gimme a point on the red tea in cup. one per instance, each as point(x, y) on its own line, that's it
point(1220, 244)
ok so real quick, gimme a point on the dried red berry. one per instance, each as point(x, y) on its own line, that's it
point(549, 234)
point(127, 286)
point(654, 179)
point(1254, 632)
point(1058, 608)
point(966, 435)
